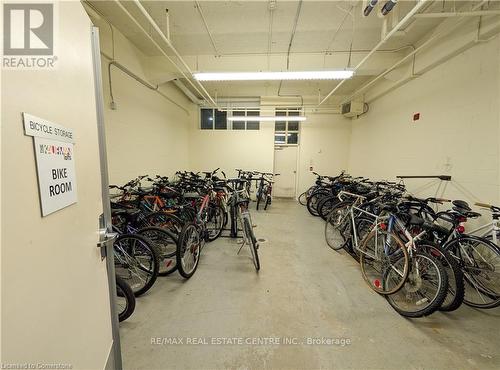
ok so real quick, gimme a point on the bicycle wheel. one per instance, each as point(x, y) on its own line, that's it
point(363, 227)
point(259, 197)
point(326, 205)
point(456, 288)
point(252, 243)
point(215, 221)
point(423, 291)
point(338, 227)
point(313, 200)
point(480, 262)
point(380, 252)
point(303, 198)
point(268, 202)
point(165, 221)
point(137, 261)
point(125, 300)
point(188, 253)
point(166, 242)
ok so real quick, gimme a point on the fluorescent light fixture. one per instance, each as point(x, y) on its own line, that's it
point(273, 76)
point(267, 118)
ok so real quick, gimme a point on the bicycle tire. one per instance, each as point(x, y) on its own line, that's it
point(268, 202)
point(258, 202)
point(215, 212)
point(124, 291)
point(456, 286)
point(313, 200)
point(167, 244)
point(332, 226)
point(151, 271)
point(377, 283)
point(326, 205)
point(488, 298)
point(253, 243)
point(415, 284)
point(185, 239)
point(303, 198)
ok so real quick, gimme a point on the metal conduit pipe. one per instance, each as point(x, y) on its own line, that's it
point(400, 24)
point(458, 14)
point(416, 50)
point(187, 92)
point(200, 11)
point(169, 44)
point(157, 46)
point(143, 82)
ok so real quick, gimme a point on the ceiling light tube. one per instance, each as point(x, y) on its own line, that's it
point(270, 76)
point(267, 118)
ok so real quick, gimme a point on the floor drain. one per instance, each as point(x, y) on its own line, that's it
point(262, 240)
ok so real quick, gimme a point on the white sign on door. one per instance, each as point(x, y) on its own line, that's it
point(55, 162)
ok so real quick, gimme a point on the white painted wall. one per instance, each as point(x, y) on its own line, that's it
point(55, 301)
point(324, 144)
point(457, 134)
point(231, 149)
point(146, 134)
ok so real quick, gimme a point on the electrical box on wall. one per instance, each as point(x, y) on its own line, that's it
point(353, 108)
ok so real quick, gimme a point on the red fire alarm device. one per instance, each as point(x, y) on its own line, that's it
point(416, 116)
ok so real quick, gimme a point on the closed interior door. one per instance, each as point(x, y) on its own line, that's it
point(285, 163)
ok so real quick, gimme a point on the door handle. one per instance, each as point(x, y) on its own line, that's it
point(105, 236)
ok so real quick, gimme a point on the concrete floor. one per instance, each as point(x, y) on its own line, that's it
point(304, 290)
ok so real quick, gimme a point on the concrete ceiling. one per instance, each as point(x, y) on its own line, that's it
point(248, 36)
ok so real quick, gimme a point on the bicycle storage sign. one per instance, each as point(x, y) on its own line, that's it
point(55, 162)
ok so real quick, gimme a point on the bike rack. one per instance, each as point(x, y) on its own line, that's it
point(440, 177)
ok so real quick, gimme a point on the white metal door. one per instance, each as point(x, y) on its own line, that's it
point(285, 163)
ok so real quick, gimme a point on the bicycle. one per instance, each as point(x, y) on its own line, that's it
point(238, 201)
point(265, 188)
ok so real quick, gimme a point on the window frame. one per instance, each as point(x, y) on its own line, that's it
point(230, 124)
point(296, 112)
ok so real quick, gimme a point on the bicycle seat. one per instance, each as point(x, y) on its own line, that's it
point(461, 204)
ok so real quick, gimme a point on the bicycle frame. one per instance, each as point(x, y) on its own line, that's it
point(492, 228)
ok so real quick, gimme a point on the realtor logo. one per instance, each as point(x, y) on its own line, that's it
point(28, 36)
point(28, 29)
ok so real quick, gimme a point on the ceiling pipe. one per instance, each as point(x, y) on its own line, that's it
point(158, 46)
point(212, 41)
point(142, 81)
point(187, 92)
point(458, 14)
point(401, 23)
point(169, 44)
point(407, 57)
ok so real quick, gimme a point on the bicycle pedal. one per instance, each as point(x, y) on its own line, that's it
point(254, 226)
